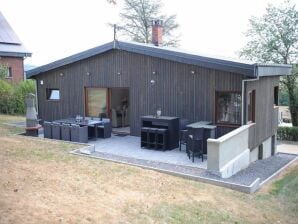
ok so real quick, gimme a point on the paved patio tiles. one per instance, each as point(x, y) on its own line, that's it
point(129, 146)
point(287, 147)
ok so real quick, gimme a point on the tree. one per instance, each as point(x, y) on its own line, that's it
point(273, 38)
point(3, 71)
point(137, 16)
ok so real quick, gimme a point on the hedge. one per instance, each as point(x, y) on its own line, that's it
point(287, 133)
point(12, 96)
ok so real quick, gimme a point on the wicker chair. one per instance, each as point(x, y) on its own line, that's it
point(195, 143)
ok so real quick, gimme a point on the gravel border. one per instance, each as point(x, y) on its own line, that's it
point(262, 169)
point(248, 180)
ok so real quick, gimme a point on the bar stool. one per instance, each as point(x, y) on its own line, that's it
point(161, 135)
point(152, 138)
point(144, 136)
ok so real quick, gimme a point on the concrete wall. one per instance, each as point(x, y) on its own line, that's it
point(230, 153)
point(267, 148)
point(254, 155)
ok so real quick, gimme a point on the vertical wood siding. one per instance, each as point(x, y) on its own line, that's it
point(266, 118)
point(176, 91)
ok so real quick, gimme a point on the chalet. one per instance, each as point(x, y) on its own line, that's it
point(12, 52)
point(239, 97)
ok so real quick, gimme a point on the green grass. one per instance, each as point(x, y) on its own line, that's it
point(192, 213)
point(286, 190)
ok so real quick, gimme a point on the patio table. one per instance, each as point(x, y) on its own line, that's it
point(209, 131)
point(86, 122)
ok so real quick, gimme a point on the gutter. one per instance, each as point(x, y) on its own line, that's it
point(243, 89)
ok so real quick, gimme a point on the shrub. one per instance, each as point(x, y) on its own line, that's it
point(12, 96)
point(287, 133)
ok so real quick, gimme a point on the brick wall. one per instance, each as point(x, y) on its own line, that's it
point(17, 67)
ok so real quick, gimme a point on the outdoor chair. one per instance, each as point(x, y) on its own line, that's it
point(102, 116)
point(65, 132)
point(104, 130)
point(47, 129)
point(195, 143)
point(79, 134)
point(56, 131)
point(183, 132)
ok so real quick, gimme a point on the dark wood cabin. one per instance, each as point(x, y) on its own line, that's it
point(227, 92)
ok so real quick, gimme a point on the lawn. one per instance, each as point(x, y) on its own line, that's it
point(40, 182)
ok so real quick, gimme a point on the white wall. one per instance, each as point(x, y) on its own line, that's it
point(230, 153)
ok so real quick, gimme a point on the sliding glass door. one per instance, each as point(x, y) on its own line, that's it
point(96, 101)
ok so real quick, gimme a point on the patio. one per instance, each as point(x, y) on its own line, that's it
point(129, 146)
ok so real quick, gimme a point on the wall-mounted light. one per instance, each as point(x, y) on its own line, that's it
point(118, 73)
point(41, 82)
point(88, 73)
point(152, 82)
point(154, 73)
point(61, 74)
point(192, 72)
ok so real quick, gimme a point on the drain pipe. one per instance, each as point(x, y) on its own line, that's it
point(243, 111)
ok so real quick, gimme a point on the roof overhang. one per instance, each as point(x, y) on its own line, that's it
point(236, 66)
point(15, 54)
point(273, 69)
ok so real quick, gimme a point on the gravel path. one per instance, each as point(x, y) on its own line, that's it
point(260, 169)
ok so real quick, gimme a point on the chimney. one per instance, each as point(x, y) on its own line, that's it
point(157, 32)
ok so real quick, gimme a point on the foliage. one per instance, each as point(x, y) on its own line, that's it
point(137, 16)
point(274, 38)
point(287, 133)
point(12, 96)
point(283, 96)
point(3, 71)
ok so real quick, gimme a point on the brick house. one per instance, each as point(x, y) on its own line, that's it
point(12, 51)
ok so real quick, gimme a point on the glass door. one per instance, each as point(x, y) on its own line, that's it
point(96, 101)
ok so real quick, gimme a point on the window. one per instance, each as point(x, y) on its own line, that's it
point(276, 95)
point(95, 101)
point(9, 72)
point(228, 108)
point(53, 94)
point(251, 101)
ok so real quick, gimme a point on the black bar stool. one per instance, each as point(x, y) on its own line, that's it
point(161, 136)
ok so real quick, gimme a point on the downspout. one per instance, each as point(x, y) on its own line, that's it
point(36, 98)
point(243, 111)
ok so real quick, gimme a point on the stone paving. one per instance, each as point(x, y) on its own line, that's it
point(129, 146)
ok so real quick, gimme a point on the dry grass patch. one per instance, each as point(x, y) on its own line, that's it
point(40, 182)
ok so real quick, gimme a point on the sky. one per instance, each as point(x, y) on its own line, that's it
point(54, 29)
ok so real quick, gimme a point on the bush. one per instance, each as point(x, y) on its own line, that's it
point(287, 133)
point(12, 96)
